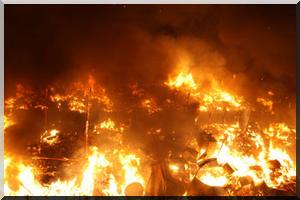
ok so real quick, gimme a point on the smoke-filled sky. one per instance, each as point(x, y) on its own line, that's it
point(144, 43)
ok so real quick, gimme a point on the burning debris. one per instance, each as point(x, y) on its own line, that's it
point(195, 141)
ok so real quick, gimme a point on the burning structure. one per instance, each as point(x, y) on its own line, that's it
point(189, 129)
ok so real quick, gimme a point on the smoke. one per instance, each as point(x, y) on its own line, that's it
point(145, 43)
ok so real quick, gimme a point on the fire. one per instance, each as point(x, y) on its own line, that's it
point(285, 160)
point(182, 80)
point(231, 149)
point(84, 183)
point(265, 102)
point(203, 109)
point(211, 180)
point(130, 164)
point(9, 103)
point(280, 131)
point(150, 105)
point(243, 164)
point(77, 105)
point(112, 189)
point(108, 124)
point(95, 161)
point(8, 122)
point(79, 95)
point(174, 168)
point(212, 99)
point(226, 97)
point(50, 137)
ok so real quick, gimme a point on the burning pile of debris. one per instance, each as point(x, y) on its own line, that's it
point(185, 140)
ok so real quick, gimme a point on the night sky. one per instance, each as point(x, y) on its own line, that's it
point(120, 43)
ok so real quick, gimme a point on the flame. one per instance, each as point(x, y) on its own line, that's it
point(130, 164)
point(50, 137)
point(150, 105)
point(108, 124)
point(280, 131)
point(258, 153)
point(79, 94)
point(95, 161)
point(112, 189)
point(242, 163)
point(212, 99)
point(182, 80)
point(174, 168)
point(78, 105)
point(211, 180)
point(8, 122)
point(85, 183)
point(226, 97)
point(265, 102)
